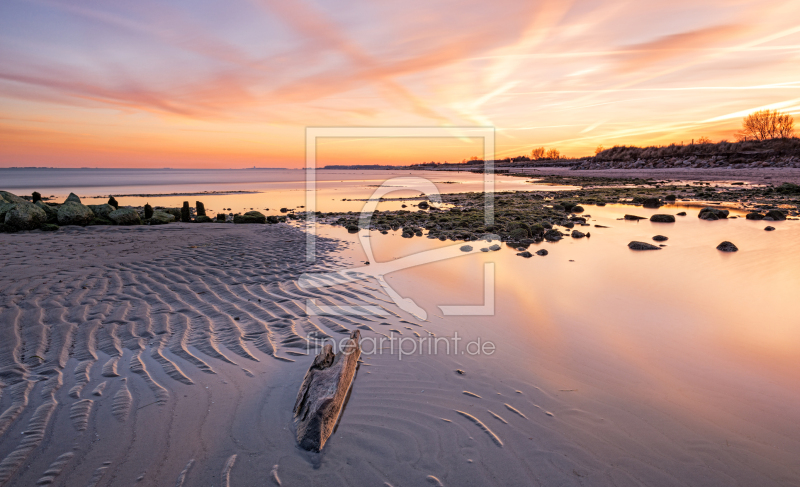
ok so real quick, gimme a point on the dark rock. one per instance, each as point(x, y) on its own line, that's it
point(36, 196)
point(466, 248)
point(49, 227)
point(100, 221)
point(73, 198)
point(670, 197)
point(494, 247)
point(221, 218)
point(272, 219)
point(662, 218)
point(769, 229)
point(642, 246)
point(713, 214)
point(577, 234)
point(203, 219)
point(52, 213)
point(148, 211)
point(125, 216)
point(568, 225)
point(577, 209)
point(682, 213)
point(284, 210)
point(186, 213)
point(200, 208)
point(754, 216)
point(552, 235)
point(660, 238)
point(250, 217)
point(776, 215)
point(113, 202)
point(525, 254)
point(541, 252)
point(652, 203)
point(323, 393)
point(727, 247)
point(634, 217)
point(423, 205)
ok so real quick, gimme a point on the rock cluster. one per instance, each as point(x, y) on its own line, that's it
point(692, 162)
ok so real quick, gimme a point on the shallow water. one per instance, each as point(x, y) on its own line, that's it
point(671, 358)
point(270, 189)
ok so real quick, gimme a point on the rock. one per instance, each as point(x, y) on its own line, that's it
point(101, 211)
point(713, 214)
point(568, 225)
point(642, 246)
point(250, 217)
point(424, 205)
point(769, 229)
point(466, 248)
point(12, 198)
point(494, 247)
point(662, 218)
point(577, 234)
point(652, 203)
point(634, 217)
point(284, 210)
point(125, 216)
point(769, 219)
point(776, 215)
point(73, 198)
point(203, 219)
point(323, 393)
point(683, 213)
point(670, 197)
point(100, 221)
point(754, 216)
point(525, 254)
point(52, 213)
point(660, 238)
point(577, 209)
point(148, 211)
point(186, 213)
point(221, 218)
point(72, 213)
point(49, 227)
point(200, 208)
point(113, 202)
point(541, 252)
point(552, 235)
point(727, 247)
point(274, 219)
point(161, 218)
point(36, 196)
point(24, 216)
point(518, 234)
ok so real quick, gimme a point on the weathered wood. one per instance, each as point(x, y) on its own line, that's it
point(321, 397)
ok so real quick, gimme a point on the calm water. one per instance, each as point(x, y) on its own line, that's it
point(274, 188)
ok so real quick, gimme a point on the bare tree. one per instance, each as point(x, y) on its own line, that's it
point(704, 140)
point(767, 124)
point(537, 153)
point(599, 149)
point(553, 154)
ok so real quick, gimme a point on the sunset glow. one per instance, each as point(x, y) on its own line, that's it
point(234, 84)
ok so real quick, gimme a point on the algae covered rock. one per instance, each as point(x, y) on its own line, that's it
point(552, 235)
point(125, 216)
point(49, 227)
point(652, 203)
point(101, 211)
point(73, 198)
point(24, 216)
point(52, 213)
point(161, 218)
point(72, 213)
point(250, 217)
point(203, 219)
point(12, 198)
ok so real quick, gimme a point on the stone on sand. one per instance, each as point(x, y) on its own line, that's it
point(24, 216)
point(250, 217)
point(727, 247)
point(74, 213)
point(663, 218)
point(635, 245)
point(125, 216)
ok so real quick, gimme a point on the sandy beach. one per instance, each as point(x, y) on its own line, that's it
point(172, 355)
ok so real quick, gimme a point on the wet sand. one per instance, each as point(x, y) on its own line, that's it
point(123, 362)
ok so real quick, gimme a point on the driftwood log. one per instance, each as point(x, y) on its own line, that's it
point(322, 395)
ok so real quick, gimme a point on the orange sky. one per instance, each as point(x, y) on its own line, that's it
point(234, 84)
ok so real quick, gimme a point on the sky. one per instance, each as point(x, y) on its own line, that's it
point(235, 83)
